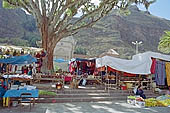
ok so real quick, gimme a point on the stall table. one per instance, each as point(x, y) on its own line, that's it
point(21, 78)
point(17, 94)
point(52, 78)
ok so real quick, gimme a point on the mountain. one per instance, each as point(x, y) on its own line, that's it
point(16, 27)
point(117, 32)
point(114, 31)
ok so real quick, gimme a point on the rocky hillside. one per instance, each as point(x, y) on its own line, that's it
point(114, 31)
point(16, 27)
point(118, 32)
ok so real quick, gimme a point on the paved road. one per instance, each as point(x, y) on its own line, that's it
point(84, 107)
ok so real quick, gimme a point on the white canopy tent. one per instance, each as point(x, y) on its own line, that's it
point(140, 63)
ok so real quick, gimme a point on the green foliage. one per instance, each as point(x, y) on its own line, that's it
point(164, 44)
point(124, 12)
point(7, 5)
point(43, 92)
point(30, 25)
point(31, 38)
point(18, 42)
point(80, 50)
point(14, 41)
point(69, 12)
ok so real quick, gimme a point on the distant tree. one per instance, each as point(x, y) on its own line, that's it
point(14, 41)
point(32, 38)
point(80, 50)
point(19, 42)
point(164, 44)
point(55, 18)
point(30, 25)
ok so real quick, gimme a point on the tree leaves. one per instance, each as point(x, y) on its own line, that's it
point(69, 12)
point(12, 4)
point(7, 5)
point(164, 44)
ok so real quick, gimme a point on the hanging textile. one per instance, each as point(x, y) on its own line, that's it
point(168, 72)
point(153, 66)
point(160, 73)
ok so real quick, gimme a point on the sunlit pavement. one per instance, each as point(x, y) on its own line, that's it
point(84, 107)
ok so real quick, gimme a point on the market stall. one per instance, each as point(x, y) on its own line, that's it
point(139, 67)
point(79, 66)
point(17, 83)
point(18, 61)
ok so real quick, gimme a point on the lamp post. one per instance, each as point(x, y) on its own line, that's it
point(137, 45)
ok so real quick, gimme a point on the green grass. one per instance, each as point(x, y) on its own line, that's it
point(43, 92)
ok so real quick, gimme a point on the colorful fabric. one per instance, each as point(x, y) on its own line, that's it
point(168, 72)
point(67, 78)
point(160, 73)
point(153, 66)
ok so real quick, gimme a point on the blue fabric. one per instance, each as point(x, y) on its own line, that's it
point(24, 59)
point(80, 59)
point(2, 91)
point(160, 73)
point(141, 93)
point(17, 93)
point(60, 60)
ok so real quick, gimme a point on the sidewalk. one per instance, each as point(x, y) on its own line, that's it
point(84, 107)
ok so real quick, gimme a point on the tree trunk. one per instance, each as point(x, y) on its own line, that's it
point(50, 51)
point(47, 65)
point(47, 45)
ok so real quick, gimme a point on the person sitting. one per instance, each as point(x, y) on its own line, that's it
point(140, 92)
point(168, 92)
point(83, 81)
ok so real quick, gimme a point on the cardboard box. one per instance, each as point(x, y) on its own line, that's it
point(131, 101)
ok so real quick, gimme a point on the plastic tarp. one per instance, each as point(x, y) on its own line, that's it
point(60, 60)
point(80, 59)
point(60, 63)
point(24, 59)
point(139, 64)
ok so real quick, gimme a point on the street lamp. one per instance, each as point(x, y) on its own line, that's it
point(137, 45)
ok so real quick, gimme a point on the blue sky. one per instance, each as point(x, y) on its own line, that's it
point(160, 8)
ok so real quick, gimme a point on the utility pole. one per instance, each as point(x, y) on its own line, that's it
point(136, 43)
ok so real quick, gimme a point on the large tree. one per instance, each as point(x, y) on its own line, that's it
point(164, 44)
point(55, 18)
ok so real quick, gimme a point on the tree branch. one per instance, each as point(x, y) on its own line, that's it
point(36, 12)
point(53, 10)
point(26, 6)
point(93, 20)
point(43, 7)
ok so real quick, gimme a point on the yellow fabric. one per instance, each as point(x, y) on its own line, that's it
point(4, 101)
point(7, 100)
point(168, 72)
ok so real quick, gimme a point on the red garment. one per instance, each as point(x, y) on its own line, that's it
point(38, 55)
point(71, 67)
point(43, 54)
point(153, 66)
point(67, 78)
